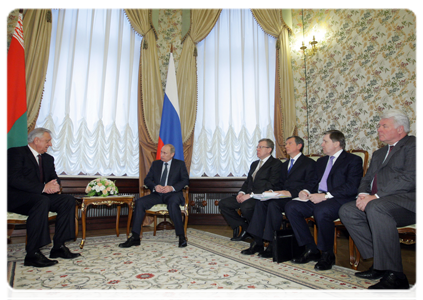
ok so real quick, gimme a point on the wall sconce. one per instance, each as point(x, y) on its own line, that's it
point(313, 49)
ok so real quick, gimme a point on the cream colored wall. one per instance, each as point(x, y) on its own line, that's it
point(365, 63)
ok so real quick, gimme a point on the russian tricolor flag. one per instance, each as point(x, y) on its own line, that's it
point(170, 126)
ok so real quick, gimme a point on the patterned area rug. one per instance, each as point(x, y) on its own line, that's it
point(209, 262)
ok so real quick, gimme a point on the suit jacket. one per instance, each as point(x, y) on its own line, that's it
point(344, 177)
point(299, 177)
point(178, 176)
point(23, 173)
point(267, 177)
point(396, 175)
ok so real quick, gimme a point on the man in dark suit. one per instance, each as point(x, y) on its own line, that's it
point(33, 190)
point(263, 176)
point(386, 199)
point(335, 182)
point(296, 172)
point(165, 179)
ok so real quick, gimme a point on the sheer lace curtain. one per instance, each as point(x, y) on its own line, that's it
point(90, 96)
point(236, 86)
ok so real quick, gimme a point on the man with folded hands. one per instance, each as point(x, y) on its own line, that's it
point(166, 179)
point(386, 200)
point(33, 190)
point(263, 176)
point(296, 172)
point(336, 179)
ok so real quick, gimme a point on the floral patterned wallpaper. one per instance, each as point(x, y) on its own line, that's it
point(169, 33)
point(365, 64)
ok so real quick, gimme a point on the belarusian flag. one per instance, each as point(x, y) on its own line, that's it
point(16, 90)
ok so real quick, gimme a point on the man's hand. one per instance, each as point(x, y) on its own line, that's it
point(317, 198)
point(163, 189)
point(362, 201)
point(52, 187)
point(303, 195)
point(242, 197)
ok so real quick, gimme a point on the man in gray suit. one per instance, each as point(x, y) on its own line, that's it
point(386, 199)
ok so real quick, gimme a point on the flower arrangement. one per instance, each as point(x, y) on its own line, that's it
point(101, 187)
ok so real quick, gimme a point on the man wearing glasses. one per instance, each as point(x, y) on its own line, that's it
point(263, 176)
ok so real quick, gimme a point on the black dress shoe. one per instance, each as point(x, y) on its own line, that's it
point(132, 241)
point(63, 252)
point(306, 257)
point(325, 262)
point(370, 274)
point(392, 281)
point(254, 248)
point(268, 253)
point(241, 237)
point(38, 260)
point(182, 241)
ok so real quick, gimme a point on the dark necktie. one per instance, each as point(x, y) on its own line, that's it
point(323, 186)
point(164, 175)
point(40, 166)
point(290, 167)
point(374, 185)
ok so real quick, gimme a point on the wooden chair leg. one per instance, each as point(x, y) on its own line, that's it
point(315, 233)
point(155, 225)
point(354, 254)
point(335, 241)
point(185, 225)
point(76, 222)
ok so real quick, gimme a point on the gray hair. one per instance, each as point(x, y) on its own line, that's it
point(269, 143)
point(37, 132)
point(400, 118)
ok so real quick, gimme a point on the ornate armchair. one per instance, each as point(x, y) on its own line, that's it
point(161, 210)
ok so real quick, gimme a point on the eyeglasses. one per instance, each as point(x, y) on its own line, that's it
point(261, 147)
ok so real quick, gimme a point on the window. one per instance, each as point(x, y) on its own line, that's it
point(236, 87)
point(90, 96)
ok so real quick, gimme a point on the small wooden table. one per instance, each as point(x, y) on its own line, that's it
point(110, 200)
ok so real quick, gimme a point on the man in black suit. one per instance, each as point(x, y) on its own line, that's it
point(386, 200)
point(296, 172)
point(33, 190)
point(335, 182)
point(263, 176)
point(165, 179)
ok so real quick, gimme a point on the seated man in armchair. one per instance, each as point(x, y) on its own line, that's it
point(166, 179)
point(263, 176)
point(33, 190)
point(386, 199)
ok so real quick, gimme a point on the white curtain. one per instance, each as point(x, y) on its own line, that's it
point(90, 96)
point(236, 87)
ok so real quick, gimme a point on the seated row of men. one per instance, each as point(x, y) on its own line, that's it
point(371, 207)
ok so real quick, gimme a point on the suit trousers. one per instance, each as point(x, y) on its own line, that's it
point(324, 213)
point(229, 209)
point(374, 231)
point(172, 200)
point(36, 207)
point(267, 218)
